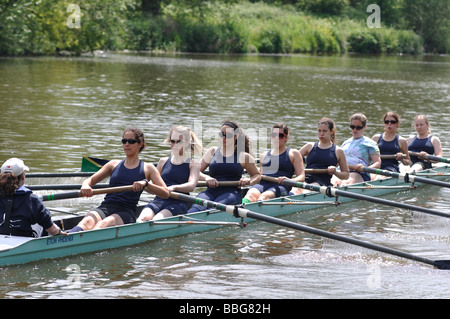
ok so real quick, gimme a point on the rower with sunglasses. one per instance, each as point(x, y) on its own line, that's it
point(281, 162)
point(391, 143)
point(120, 208)
point(180, 172)
point(227, 163)
point(360, 151)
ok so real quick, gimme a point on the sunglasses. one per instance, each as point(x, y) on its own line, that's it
point(279, 135)
point(227, 134)
point(129, 140)
point(175, 141)
point(357, 127)
point(390, 122)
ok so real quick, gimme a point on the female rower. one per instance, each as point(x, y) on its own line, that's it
point(324, 154)
point(423, 143)
point(22, 213)
point(391, 143)
point(120, 208)
point(180, 172)
point(360, 151)
point(227, 163)
point(281, 162)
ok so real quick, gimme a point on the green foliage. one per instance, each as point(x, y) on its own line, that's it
point(327, 7)
point(431, 20)
point(39, 27)
point(381, 41)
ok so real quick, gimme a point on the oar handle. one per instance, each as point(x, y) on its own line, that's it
point(431, 157)
point(76, 194)
point(356, 169)
point(269, 179)
point(51, 175)
point(316, 171)
point(391, 156)
point(61, 186)
point(221, 183)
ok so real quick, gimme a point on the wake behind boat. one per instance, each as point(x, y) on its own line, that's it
point(19, 250)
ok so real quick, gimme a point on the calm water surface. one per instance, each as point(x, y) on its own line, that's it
point(56, 110)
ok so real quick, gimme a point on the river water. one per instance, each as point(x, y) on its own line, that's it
point(56, 110)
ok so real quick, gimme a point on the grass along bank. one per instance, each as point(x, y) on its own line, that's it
point(262, 28)
point(40, 28)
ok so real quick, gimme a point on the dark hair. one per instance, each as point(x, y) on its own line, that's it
point(138, 135)
point(392, 114)
point(9, 183)
point(282, 127)
point(331, 126)
point(242, 138)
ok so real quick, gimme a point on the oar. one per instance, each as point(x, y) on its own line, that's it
point(62, 186)
point(221, 183)
point(238, 211)
point(391, 156)
point(76, 194)
point(432, 157)
point(333, 191)
point(76, 174)
point(408, 178)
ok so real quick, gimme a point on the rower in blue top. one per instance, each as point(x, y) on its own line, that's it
point(423, 143)
point(120, 208)
point(180, 172)
point(281, 162)
point(391, 143)
point(227, 163)
point(324, 154)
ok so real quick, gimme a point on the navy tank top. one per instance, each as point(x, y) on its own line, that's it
point(122, 176)
point(319, 158)
point(225, 168)
point(175, 174)
point(389, 148)
point(278, 165)
point(420, 144)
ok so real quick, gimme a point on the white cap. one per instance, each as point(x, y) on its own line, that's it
point(15, 166)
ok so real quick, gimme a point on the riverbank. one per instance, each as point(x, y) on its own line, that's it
point(48, 28)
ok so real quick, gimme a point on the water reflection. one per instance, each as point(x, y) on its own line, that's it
point(56, 110)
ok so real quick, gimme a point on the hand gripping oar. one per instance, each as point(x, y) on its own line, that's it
point(239, 211)
point(408, 178)
point(76, 194)
point(333, 191)
point(432, 157)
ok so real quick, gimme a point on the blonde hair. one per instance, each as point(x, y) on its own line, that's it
point(425, 118)
point(195, 144)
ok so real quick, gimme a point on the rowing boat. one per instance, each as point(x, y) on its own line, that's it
point(19, 250)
